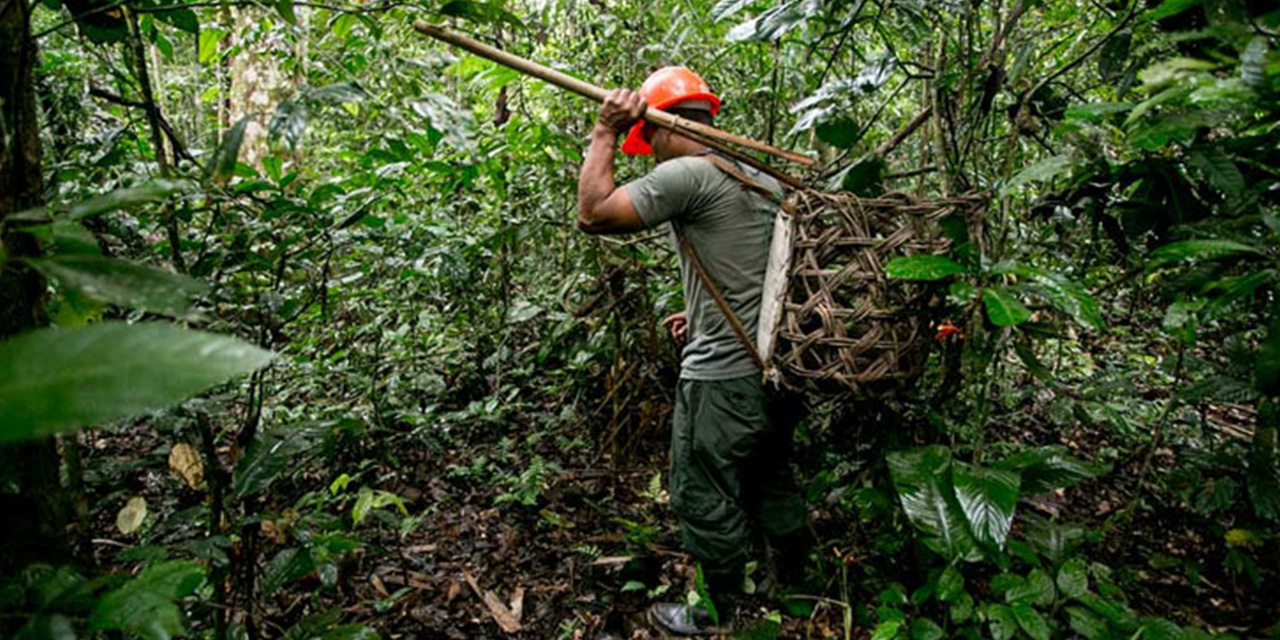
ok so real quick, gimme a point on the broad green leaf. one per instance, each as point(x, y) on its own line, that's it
point(1052, 540)
point(1181, 314)
point(324, 626)
point(1155, 133)
point(46, 626)
point(922, 477)
point(1069, 297)
point(286, 567)
point(962, 608)
point(1173, 70)
point(1223, 293)
point(1036, 589)
point(950, 584)
point(1159, 629)
point(1262, 476)
point(1266, 368)
point(446, 117)
point(285, 9)
point(208, 45)
point(887, 630)
point(988, 498)
point(350, 632)
point(53, 380)
point(313, 626)
point(768, 627)
point(371, 499)
point(1199, 250)
point(1219, 169)
point(1097, 111)
point(288, 122)
point(874, 75)
point(821, 106)
point(71, 237)
point(1253, 63)
point(1046, 169)
point(271, 455)
point(343, 24)
point(1088, 625)
point(1048, 468)
point(338, 93)
point(490, 12)
point(123, 283)
point(841, 132)
point(1030, 620)
point(144, 605)
point(126, 198)
point(495, 77)
point(106, 31)
point(1030, 361)
point(773, 23)
point(923, 267)
point(183, 18)
point(1170, 94)
point(1114, 57)
point(222, 165)
point(962, 292)
point(523, 311)
point(1000, 621)
point(1003, 308)
point(1117, 613)
point(1170, 8)
point(727, 8)
point(863, 178)
point(1073, 578)
point(926, 629)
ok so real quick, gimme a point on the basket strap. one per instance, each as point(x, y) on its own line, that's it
point(734, 322)
point(733, 172)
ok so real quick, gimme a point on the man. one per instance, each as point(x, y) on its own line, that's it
point(730, 470)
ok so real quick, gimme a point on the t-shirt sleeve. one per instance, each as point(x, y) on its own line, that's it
point(666, 193)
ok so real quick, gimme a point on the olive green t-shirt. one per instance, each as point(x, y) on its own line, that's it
point(731, 228)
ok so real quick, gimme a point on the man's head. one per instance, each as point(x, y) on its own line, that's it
point(678, 91)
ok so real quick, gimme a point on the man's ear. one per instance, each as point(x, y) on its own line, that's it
point(660, 138)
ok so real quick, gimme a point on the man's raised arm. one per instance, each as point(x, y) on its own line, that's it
point(603, 207)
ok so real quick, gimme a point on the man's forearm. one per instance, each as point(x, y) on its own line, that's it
point(595, 182)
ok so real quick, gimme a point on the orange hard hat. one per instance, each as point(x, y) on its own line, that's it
point(661, 89)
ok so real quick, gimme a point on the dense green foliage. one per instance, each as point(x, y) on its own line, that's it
point(414, 337)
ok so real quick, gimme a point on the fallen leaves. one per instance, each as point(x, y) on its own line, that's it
point(507, 617)
point(131, 516)
point(184, 460)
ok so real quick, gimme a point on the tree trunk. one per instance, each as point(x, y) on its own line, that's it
point(258, 82)
point(22, 292)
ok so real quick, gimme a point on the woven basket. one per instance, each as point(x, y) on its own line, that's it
point(837, 325)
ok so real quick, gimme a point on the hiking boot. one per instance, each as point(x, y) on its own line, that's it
point(789, 556)
point(683, 620)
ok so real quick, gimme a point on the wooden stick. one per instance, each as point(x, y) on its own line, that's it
point(661, 118)
point(897, 138)
point(778, 174)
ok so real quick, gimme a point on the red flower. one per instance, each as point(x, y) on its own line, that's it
point(946, 329)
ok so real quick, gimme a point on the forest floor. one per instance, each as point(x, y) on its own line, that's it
point(597, 543)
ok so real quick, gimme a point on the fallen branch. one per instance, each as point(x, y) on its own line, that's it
point(507, 618)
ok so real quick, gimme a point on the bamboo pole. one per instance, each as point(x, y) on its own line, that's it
point(696, 130)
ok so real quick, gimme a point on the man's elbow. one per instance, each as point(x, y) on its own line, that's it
point(588, 223)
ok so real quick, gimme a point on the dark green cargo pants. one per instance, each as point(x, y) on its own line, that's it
point(730, 469)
